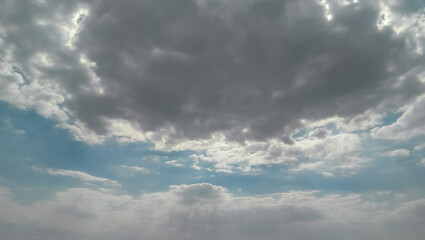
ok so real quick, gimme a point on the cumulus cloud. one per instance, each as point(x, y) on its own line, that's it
point(247, 73)
point(87, 178)
point(243, 71)
point(398, 153)
point(210, 212)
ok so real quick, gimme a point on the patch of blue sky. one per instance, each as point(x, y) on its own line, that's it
point(18, 71)
point(303, 133)
point(390, 118)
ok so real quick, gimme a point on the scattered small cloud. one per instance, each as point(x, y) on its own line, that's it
point(20, 131)
point(136, 168)
point(421, 163)
point(419, 147)
point(195, 164)
point(385, 192)
point(398, 153)
point(174, 163)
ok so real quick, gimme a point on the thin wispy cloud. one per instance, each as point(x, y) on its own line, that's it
point(398, 153)
point(135, 168)
point(87, 178)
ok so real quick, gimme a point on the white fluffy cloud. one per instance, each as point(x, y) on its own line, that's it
point(227, 156)
point(210, 212)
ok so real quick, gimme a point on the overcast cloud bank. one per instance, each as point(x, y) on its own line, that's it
point(210, 212)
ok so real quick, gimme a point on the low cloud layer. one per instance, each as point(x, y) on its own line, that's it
point(210, 212)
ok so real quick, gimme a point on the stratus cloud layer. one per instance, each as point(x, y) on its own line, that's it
point(205, 211)
point(242, 76)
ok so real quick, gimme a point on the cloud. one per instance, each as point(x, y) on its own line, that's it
point(87, 178)
point(199, 193)
point(240, 86)
point(361, 122)
point(211, 212)
point(422, 162)
point(137, 169)
point(93, 62)
point(398, 153)
point(232, 157)
point(419, 147)
point(249, 74)
point(20, 131)
point(409, 125)
point(406, 218)
point(174, 163)
point(346, 166)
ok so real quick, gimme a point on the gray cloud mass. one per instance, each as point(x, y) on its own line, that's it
point(248, 69)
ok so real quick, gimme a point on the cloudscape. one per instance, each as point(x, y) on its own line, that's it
point(212, 119)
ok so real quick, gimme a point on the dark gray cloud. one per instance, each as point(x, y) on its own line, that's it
point(249, 69)
point(261, 66)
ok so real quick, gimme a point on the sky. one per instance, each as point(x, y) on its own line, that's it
point(212, 119)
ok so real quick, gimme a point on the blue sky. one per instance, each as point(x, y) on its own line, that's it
point(205, 119)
